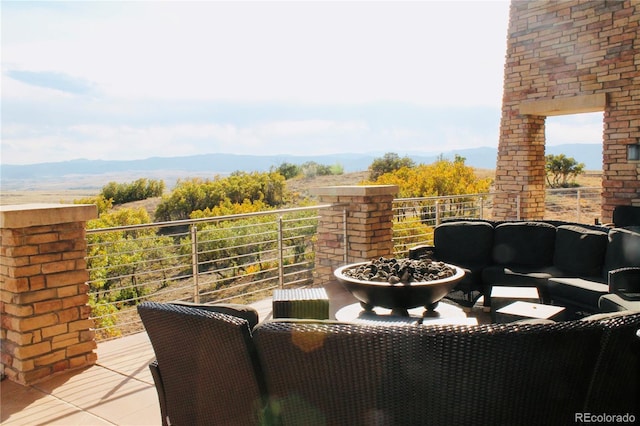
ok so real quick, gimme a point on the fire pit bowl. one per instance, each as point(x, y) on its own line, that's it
point(395, 288)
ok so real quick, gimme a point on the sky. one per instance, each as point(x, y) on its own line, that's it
point(125, 80)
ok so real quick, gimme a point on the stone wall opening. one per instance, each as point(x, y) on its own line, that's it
point(569, 57)
point(568, 129)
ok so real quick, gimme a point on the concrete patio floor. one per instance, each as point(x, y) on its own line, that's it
point(118, 390)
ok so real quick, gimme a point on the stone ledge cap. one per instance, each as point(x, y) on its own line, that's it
point(562, 106)
point(356, 190)
point(27, 215)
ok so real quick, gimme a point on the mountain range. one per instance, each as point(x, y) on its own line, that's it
point(87, 173)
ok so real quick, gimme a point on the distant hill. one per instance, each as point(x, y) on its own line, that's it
point(95, 173)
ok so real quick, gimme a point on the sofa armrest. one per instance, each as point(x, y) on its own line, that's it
point(625, 282)
point(422, 252)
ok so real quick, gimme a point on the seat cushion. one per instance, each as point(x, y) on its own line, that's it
point(576, 292)
point(524, 243)
point(606, 316)
point(517, 276)
point(579, 251)
point(615, 303)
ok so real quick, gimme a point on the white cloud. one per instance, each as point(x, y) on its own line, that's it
point(578, 128)
point(426, 52)
point(182, 78)
point(291, 128)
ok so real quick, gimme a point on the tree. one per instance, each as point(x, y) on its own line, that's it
point(389, 163)
point(560, 169)
point(288, 170)
point(444, 177)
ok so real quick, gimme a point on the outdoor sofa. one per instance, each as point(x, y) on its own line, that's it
point(570, 264)
point(215, 368)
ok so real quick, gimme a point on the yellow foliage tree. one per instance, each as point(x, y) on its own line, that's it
point(443, 177)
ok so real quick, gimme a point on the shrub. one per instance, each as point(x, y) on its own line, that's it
point(140, 189)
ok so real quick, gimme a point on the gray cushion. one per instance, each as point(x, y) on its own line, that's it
point(579, 250)
point(576, 292)
point(524, 243)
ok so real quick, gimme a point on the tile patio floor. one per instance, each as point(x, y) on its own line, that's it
point(117, 390)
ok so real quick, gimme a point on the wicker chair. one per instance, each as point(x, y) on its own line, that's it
point(206, 370)
point(615, 386)
point(330, 373)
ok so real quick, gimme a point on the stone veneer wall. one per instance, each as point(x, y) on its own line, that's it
point(43, 294)
point(566, 57)
point(369, 226)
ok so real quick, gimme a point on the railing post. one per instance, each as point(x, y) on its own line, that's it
point(481, 207)
point(345, 232)
point(437, 213)
point(194, 263)
point(280, 254)
point(578, 206)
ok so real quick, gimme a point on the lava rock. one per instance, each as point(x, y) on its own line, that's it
point(400, 271)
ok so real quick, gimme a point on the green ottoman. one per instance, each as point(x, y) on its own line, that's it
point(309, 303)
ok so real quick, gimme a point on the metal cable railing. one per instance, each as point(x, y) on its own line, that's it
point(234, 258)
point(242, 258)
point(584, 203)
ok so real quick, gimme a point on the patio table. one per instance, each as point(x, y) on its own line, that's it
point(526, 310)
point(444, 313)
point(502, 296)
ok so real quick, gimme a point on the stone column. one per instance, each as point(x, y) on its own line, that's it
point(43, 294)
point(368, 229)
point(520, 169)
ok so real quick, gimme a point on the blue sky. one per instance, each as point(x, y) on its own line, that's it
point(130, 80)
